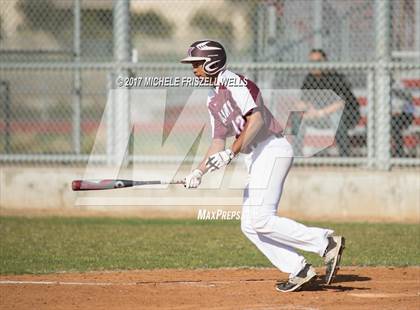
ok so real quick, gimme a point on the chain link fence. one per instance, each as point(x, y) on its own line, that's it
point(59, 60)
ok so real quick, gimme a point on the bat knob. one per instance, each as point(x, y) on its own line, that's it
point(76, 185)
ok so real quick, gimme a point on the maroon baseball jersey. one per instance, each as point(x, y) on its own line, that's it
point(234, 98)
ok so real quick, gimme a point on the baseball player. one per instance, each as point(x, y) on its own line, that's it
point(238, 109)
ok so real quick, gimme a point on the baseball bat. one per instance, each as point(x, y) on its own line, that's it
point(89, 185)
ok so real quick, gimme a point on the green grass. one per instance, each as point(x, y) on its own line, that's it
point(43, 245)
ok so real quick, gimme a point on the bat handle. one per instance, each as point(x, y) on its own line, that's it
point(176, 182)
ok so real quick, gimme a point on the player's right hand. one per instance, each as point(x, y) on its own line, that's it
point(193, 180)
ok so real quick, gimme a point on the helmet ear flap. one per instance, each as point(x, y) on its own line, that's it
point(213, 67)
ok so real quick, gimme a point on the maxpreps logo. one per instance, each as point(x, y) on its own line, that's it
point(219, 214)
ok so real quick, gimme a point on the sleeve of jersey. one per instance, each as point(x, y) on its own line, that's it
point(247, 97)
point(218, 130)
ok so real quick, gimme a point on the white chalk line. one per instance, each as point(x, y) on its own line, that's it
point(11, 282)
point(197, 283)
point(186, 282)
point(96, 283)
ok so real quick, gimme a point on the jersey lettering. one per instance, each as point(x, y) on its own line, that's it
point(238, 124)
point(225, 112)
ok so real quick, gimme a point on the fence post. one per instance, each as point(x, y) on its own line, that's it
point(382, 85)
point(5, 99)
point(110, 120)
point(122, 53)
point(77, 82)
point(417, 30)
point(371, 118)
point(317, 7)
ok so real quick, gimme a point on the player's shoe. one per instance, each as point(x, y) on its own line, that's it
point(296, 283)
point(332, 256)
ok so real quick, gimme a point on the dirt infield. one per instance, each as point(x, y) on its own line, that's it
point(354, 288)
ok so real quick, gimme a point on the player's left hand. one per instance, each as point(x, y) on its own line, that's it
point(219, 160)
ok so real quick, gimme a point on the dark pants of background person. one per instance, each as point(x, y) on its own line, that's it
point(342, 140)
point(399, 122)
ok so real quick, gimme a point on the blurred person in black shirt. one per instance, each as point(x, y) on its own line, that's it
point(324, 108)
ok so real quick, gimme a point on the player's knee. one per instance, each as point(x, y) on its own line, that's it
point(261, 224)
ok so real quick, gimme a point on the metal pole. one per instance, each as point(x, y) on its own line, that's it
point(260, 27)
point(417, 30)
point(122, 53)
point(317, 23)
point(77, 80)
point(345, 47)
point(382, 87)
point(271, 55)
point(5, 98)
point(110, 120)
point(370, 136)
point(259, 40)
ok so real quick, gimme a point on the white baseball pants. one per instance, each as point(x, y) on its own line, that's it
point(276, 237)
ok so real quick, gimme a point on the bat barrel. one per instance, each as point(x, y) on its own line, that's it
point(86, 185)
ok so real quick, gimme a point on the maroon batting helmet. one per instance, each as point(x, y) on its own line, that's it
point(211, 52)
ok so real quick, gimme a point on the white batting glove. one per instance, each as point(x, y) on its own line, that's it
point(193, 180)
point(219, 160)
